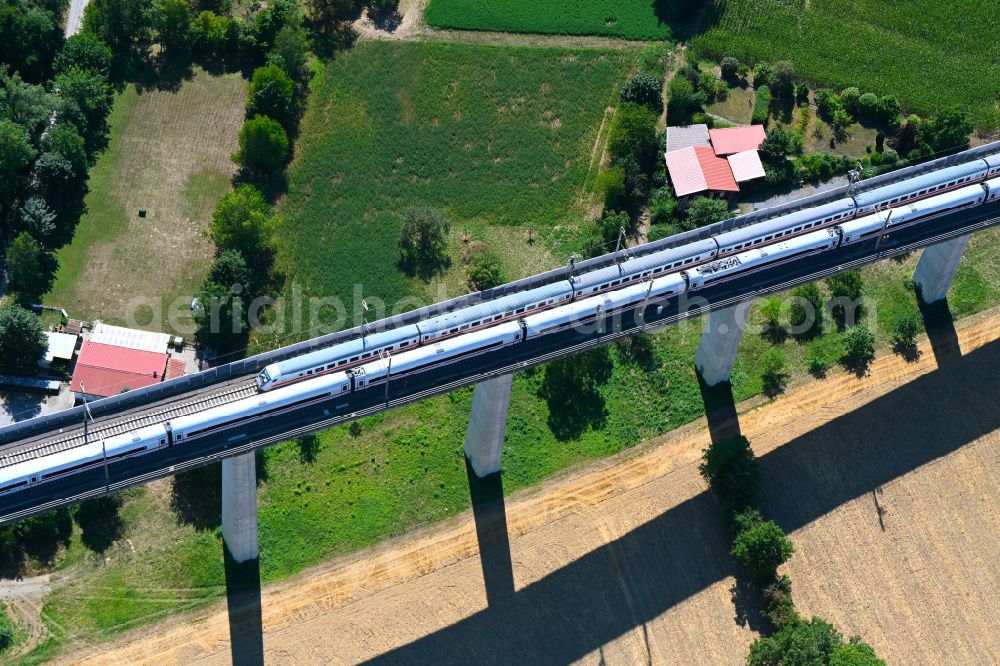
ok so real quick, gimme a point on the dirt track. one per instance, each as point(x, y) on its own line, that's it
point(625, 561)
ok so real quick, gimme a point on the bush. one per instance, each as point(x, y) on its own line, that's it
point(662, 206)
point(486, 272)
point(703, 212)
point(820, 166)
point(779, 608)
point(761, 106)
point(802, 94)
point(855, 653)
point(645, 90)
point(905, 330)
point(827, 102)
point(784, 84)
point(730, 468)
point(845, 291)
point(868, 105)
point(763, 75)
point(224, 297)
point(760, 548)
point(859, 348)
point(797, 644)
point(242, 222)
point(611, 183)
point(806, 312)
point(773, 372)
point(263, 146)
point(683, 101)
point(633, 135)
point(889, 109)
point(947, 131)
point(26, 269)
point(730, 67)
point(849, 97)
point(771, 311)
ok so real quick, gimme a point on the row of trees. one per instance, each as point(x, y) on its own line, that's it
point(760, 547)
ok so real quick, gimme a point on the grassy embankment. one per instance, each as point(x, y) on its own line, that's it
point(619, 18)
point(929, 54)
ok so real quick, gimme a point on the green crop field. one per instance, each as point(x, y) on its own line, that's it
point(498, 139)
point(628, 19)
point(928, 53)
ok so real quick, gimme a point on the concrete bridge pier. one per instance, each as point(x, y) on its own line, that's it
point(487, 425)
point(720, 342)
point(936, 268)
point(239, 507)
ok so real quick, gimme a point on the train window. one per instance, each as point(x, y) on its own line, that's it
point(366, 355)
point(309, 372)
point(462, 328)
point(403, 344)
point(163, 441)
point(342, 362)
point(453, 330)
point(343, 389)
point(354, 358)
point(498, 317)
point(519, 311)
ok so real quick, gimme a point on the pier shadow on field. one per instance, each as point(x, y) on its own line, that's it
point(246, 632)
point(490, 515)
point(720, 409)
point(940, 330)
point(633, 580)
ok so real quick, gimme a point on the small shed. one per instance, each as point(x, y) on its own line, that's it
point(687, 136)
point(60, 349)
point(130, 338)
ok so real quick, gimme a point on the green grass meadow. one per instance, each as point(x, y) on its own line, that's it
point(927, 53)
point(498, 139)
point(627, 19)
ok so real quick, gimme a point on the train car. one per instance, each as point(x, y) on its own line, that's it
point(643, 268)
point(935, 206)
point(992, 189)
point(262, 405)
point(863, 228)
point(920, 187)
point(992, 165)
point(786, 226)
point(437, 354)
point(493, 312)
point(338, 357)
point(65, 463)
point(745, 263)
point(585, 312)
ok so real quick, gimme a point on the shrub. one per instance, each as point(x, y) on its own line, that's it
point(868, 105)
point(645, 90)
point(730, 468)
point(771, 311)
point(779, 608)
point(703, 212)
point(947, 131)
point(859, 348)
point(611, 183)
point(763, 75)
point(827, 102)
point(784, 85)
point(845, 290)
point(730, 68)
point(272, 93)
point(806, 312)
point(802, 94)
point(760, 548)
point(889, 109)
point(662, 206)
point(486, 272)
point(242, 222)
point(820, 166)
point(905, 329)
point(26, 268)
point(633, 135)
point(683, 101)
point(797, 644)
point(761, 106)
point(850, 97)
point(773, 374)
point(840, 122)
point(855, 653)
point(708, 84)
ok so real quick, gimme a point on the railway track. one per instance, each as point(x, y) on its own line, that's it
point(243, 390)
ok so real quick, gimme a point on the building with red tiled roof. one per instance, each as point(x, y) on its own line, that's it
point(697, 170)
point(730, 140)
point(104, 370)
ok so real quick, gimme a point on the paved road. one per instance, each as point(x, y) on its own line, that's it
point(401, 391)
point(74, 19)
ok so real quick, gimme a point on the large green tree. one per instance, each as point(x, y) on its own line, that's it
point(224, 298)
point(423, 240)
point(126, 26)
point(16, 154)
point(272, 93)
point(22, 342)
point(633, 136)
point(263, 146)
point(730, 469)
point(30, 106)
point(84, 51)
point(26, 268)
point(87, 99)
point(242, 222)
point(760, 548)
point(30, 35)
point(173, 24)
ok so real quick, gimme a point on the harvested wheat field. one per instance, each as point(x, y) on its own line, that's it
point(888, 485)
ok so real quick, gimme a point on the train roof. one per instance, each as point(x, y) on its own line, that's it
point(750, 232)
point(494, 307)
point(643, 264)
point(904, 187)
point(992, 160)
point(348, 348)
point(403, 361)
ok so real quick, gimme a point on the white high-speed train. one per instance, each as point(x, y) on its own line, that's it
point(337, 373)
